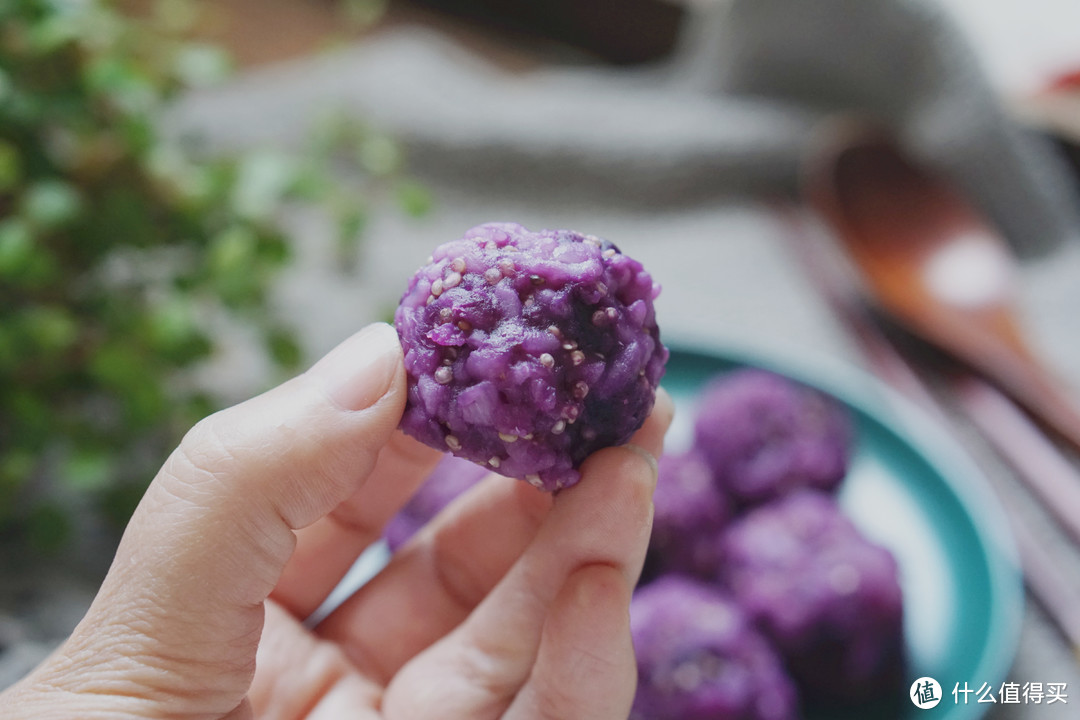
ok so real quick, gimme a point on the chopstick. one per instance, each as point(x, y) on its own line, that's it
point(1030, 455)
point(1019, 441)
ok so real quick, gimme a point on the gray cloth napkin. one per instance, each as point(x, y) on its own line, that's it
point(904, 63)
point(732, 112)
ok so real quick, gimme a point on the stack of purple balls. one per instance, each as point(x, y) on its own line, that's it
point(760, 596)
point(762, 587)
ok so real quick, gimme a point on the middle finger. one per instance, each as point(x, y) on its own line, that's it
point(327, 549)
point(436, 580)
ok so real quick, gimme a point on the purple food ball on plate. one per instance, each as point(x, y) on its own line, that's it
point(764, 436)
point(700, 658)
point(450, 478)
point(828, 598)
point(527, 351)
point(690, 513)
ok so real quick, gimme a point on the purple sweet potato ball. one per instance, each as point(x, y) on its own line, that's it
point(827, 597)
point(527, 351)
point(450, 478)
point(690, 513)
point(700, 658)
point(764, 436)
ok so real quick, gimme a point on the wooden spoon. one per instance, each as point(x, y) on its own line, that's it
point(932, 263)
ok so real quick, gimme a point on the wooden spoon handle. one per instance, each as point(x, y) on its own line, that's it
point(991, 344)
point(1058, 416)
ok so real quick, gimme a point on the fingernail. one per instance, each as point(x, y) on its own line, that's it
point(359, 371)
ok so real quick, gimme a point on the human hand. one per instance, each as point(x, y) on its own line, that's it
point(511, 604)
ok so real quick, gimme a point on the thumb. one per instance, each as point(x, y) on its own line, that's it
point(179, 616)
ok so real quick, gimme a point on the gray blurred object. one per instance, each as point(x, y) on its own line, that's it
point(18, 653)
point(612, 136)
point(903, 63)
point(731, 113)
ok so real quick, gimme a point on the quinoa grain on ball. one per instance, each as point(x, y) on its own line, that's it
point(527, 351)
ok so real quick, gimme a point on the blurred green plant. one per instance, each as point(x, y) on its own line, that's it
point(116, 247)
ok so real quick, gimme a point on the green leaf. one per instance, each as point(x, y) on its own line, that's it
point(232, 251)
point(232, 265)
point(41, 271)
point(51, 203)
point(311, 183)
point(114, 364)
point(51, 33)
point(10, 166)
point(16, 247)
point(172, 167)
point(138, 132)
point(171, 322)
point(87, 470)
point(121, 83)
point(284, 348)
point(16, 470)
point(329, 132)
point(32, 417)
point(174, 331)
point(51, 329)
point(48, 528)
point(200, 65)
point(415, 199)
point(264, 178)
point(379, 155)
point(273, 248)
point(132, 378)
point(25, 264)
point(145, 403)
point(16, 467)
point(351, 222)
point(100, 28)
point(10, 357)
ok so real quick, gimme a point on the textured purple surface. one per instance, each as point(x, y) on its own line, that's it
point(690, 515)
point(527, 351)
point(699, 658)
point(828, 598)
point(765, 436)
point(450, 478)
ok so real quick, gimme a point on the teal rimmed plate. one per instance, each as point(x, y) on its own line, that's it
point(914, 491)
